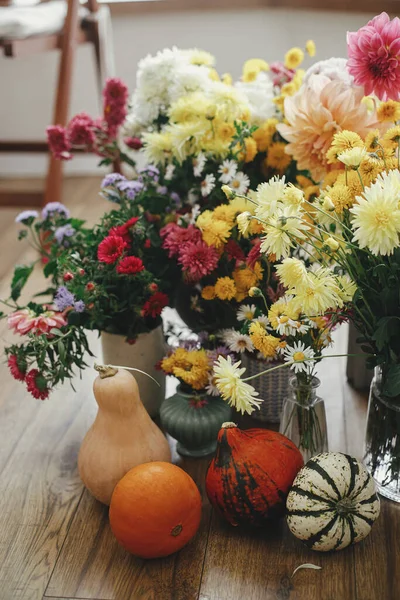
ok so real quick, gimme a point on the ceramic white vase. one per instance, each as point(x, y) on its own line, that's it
point(144, 354)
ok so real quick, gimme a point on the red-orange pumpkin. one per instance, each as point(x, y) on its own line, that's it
point(251, 475)
point(155, 510)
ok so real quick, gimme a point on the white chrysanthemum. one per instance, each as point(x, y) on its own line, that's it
point(156, 147)
point(297, 356)
point(199, 162)
point(240, 342)
point(260, 95)
point(347, 287)
point(293, 195)
point(269, 197)
point(185, 137)
point(353, 157)
point(243, 222)
point(228, 170)
point(292, 272)
point(390, 178)
point(333, 68)
point(169, 171)
point(187, 80)
point(376, 218)
point(240, 183)
point(246, 312)
point(199, 57)
point(319, 293)
point(236, 392)
point(283, 231)
point(207, 185)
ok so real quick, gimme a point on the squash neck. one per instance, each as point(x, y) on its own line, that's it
point(105, 371)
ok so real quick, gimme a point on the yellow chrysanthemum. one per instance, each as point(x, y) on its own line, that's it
point(204, 219)
point(216, 233)
point(310, 48)
point(393, 135)
point(247, 278)
point(342, 141)
point(250, 149)
point(292, 273)
point(372, 140)
point(225, 212)
point(157, 146)
point(279, 102)
point(293, 58)
point(225, 131)
point(388, 111)
point(187, 108)
point(303, 181)
point(293, 195)
point(289, 89)
point(213, 75)
point(176, 359)
point(331, 177)
point(208, 292)
point(282, 307)
point(225, 288)
point(255, 227)
point(262, 341)
point(241, 204)
point(352, 181)
point(311, 192)
point(341, 197)
point(253, 67)
point(227, 79)
point(298, 78)
point(277, 157)
point(370, 168)
point(264, 134)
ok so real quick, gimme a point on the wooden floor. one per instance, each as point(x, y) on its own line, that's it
point(55, 541)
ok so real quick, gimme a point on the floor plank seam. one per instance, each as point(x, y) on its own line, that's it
point(62, 546)
point(205, 554)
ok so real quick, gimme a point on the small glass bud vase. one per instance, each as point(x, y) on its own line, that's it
point(303, 417)
point(382, 439)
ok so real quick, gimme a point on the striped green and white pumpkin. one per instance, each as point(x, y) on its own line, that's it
point(333, 502)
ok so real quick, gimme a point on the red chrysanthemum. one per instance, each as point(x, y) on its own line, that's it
point(58, 141)
point(175, 236)
point(36, 384)
point(198, 259)
point(111, 248)
point(115, 96)
point(374, 57)
point(130, 265)
point(123, 230)
point(17, 367)
point(80, 131)
point(254, 254)
point(234, 251)
point(154, 305)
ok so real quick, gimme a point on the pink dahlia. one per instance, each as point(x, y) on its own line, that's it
point(374, 57)
point(115, 98)
point(315, 113)
point(25, 321)
point(175, 237)
point(198, 259)
point(59, 143)
point(36, 384)
point(111, 248)
point(80, 131)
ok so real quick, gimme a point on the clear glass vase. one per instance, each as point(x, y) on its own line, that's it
point(382, 439)
point(304, 419)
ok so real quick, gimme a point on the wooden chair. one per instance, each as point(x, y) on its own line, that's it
point(73, 29)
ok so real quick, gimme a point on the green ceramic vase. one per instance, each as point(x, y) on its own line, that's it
point(194, 420)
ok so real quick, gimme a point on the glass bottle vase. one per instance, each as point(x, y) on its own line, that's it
point(382, 439)
point(303, 417)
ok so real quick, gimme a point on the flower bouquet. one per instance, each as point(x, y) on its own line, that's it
point(114, 278)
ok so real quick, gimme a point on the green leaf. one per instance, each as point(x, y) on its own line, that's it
point(56, 332)
point(387, 327)
point(21, 276)
point(61, 351)
point(50, 268)
point(49, 292)
point(391, 383)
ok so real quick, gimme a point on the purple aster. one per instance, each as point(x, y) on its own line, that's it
point(65, 231)
point(79, 306)
point(130, 188)
point(162, 189)
point(63, 298)
point(175, 198)
point(111, 179)
point(55, 208)
point(26, 216)
point(151, 172)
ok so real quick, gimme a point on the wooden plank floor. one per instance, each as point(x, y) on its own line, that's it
point(55, 541)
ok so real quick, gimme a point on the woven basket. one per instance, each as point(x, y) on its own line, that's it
point(272, 388)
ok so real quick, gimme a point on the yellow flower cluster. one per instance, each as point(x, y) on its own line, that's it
point(190, 366)
point(263, 342)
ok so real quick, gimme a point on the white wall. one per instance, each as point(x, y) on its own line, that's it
point(27, 85)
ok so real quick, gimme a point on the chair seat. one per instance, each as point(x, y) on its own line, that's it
point(26, 19)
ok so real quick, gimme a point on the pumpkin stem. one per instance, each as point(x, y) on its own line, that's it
point(105, 371)
point(228, 425)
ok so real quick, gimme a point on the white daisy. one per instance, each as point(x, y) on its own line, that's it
point(199, 162)
point(297, 356)
point(240, 183)
point(228, 170)
point(239, 342)
point(211, 388)
point(236, 392)
point(169, 171)
point(299, 326)
point(246, 312)
point(284, 326)
point(207, 185)
point(263, 319)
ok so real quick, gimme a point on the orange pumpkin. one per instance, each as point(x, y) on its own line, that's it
point(155, 510)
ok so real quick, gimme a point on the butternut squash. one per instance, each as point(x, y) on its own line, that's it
point(121, 437)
